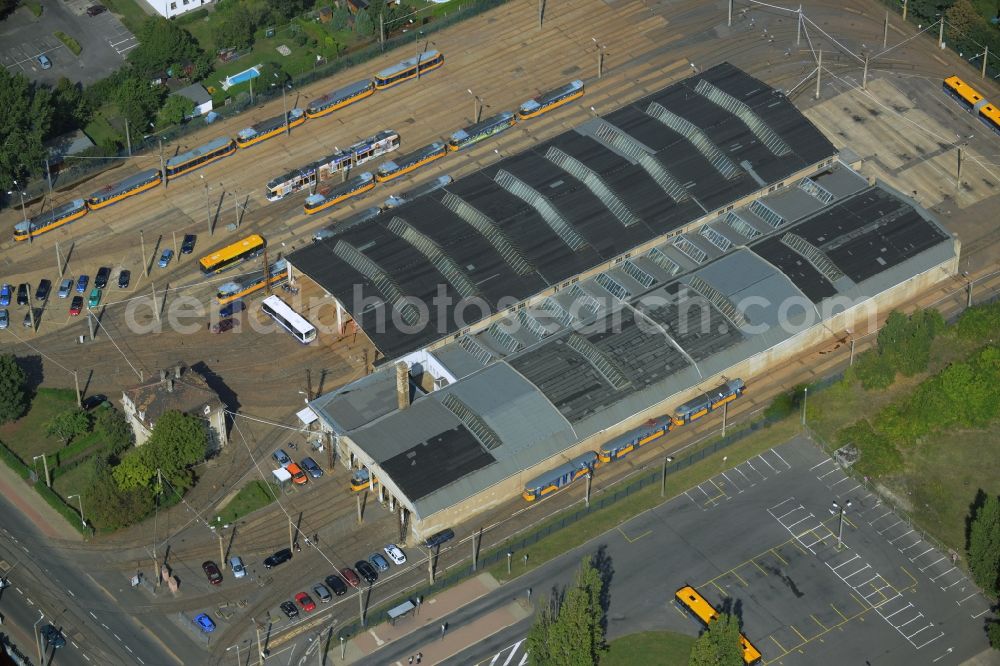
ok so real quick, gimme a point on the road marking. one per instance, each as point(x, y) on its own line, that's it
point(884, 530)
point(780, 646)
point(817, 621)
point(780, 458)
point(70, 592)
point(117, 636)
point(825, 474)
point(633, 540)
point(941, 559)
point(846, 478)
point(767, 463)
point(775, 553)
point(738, 489)
point(821, 463)
point(856, 557)
point(943, 574)
point(764, 571)
point(913, 619)
point(792, 627)
point(913, 559)
point(789, 527)
point(778, 518)
point(979, 615)
point(966, 599)
point(894, 540)
point(909, 604)
point(92, 614)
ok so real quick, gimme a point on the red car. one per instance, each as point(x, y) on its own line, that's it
point(350, 577)
point(212, 571)
point(304, 601)
point(223, 325)
point(76, 306)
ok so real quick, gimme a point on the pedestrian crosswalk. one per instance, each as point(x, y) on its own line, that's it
point(512, 655)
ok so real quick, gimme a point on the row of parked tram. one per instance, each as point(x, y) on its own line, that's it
point(618, 448)
point(973, 102)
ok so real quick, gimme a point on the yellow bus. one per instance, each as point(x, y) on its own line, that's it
point(231, 254)
point(967, 96)
point(705, 613)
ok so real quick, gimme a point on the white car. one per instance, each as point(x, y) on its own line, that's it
point(395, 554)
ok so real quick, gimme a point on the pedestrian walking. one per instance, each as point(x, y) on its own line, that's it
point(411, 660)
point(420, 655)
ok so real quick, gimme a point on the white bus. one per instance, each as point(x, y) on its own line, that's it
point(289, 319)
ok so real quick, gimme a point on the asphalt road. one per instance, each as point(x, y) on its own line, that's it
point(759, 535)
point(46, 579)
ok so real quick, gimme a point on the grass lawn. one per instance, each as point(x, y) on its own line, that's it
point(26, 437)
point(601, 521)
point(100, 130)
point(33, 6)
point(129, 11)
point(655, 648)
point(943, 474)
point(75, 481)
point(255, 495)
point(70, 43)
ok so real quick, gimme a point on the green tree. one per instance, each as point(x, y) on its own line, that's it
point(719, 644)
point(573, 634)
point(110, 507)
point(138, 101)
point(67, 425)
point(6, 7)
point(163, 43)
point(136, 470)
point(70, 110)
point(879, 456)
point(175, 111)
point(13, 380)
point(341, 18)
point(363, 23)
point(993, 632)
point(984, 543)
point(178, 442)
point(24, 124)
point(234, 29)
point(112, 426)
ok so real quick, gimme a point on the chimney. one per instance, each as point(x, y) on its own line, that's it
point(163, 375)
point(177, 371)
point(170, 385)
point(402, 386)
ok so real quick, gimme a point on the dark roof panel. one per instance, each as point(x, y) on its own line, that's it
point(433, 464)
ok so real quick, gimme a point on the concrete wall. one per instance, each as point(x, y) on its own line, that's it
point(856, 318)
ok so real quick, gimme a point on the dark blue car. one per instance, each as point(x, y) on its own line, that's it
point(205, 623)
point(232, 308)
point(310, 466)
point(81, 284)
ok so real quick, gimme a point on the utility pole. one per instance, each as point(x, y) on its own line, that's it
point(260, 649)
point(798, 27)
point(91, 320)
point(156, 308)
point(208, 206)
point(600, 57)
point(176, 251)
point(725, 416)
point(45, 464)
point(586, 498)
point(541, 12)
point(941, 33)
point(156, 561)
point(819, 69)
point(59, 264)
point(361, 605)
point(430, 567)
point(864, 75)
point(381, 32)
point(222, 552)
point(473, 551)
point(986, 57)
point(128, 137)
point(291, 539)
point(958, 172)
point(31, 310)
point(663, 476)
point(76, 381)
point(48, 176)
point(163, 165)
point(885, 30)
point(729, 13)
point(905, 5)
point(360, 518)
point(142, 247)
point(805, 399)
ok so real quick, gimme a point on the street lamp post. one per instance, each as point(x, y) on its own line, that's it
point(805, 398)
point(288, 129)
point(478, 105)
point(208, 206)
point(45, 464)
point(663, 478)
point(851, 333)
point(38, 638)
point(968, 288)
point(600, 57)
point(24, 214)
point(834, 508)
point(83, 521)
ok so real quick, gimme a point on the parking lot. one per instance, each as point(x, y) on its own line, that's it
point(105, 42)
point(761, 538)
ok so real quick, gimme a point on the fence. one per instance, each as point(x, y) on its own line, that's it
point(80, 170)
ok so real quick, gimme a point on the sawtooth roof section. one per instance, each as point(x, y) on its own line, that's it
point(473, 262)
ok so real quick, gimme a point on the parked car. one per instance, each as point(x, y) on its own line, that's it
point(230, 309)
point(187, 247)
point(223, 325)
point(289, 609)
point(65, 287)
point(101, 279)
point(211, 570)
point(439, 538)
point(44, 61)
point(94, 401)
point(165, 258)
point(44, 287)
point(22, 293)
point(310, 466)
point(298, 476)
point(351, 577)
point(4, 318)
point(279, 557)
point(81, 284)
point(320, 591)
point(366, 571)
point(95, 298)
point(308, 605)
point(395, 553)
point(281, 458)
point(76, 306)
point(124, 278)
point(205, 623)
point(379, 562)
point(336, 583)
point(5, 294)
point(94, 10)
point(236, 565)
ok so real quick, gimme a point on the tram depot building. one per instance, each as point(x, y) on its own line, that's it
point(705, 232)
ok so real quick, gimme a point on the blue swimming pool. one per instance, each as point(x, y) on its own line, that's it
point(242, 77)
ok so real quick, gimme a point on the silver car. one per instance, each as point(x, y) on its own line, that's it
point(4, 319)
point(65, 287)
point(323, 593)
point(236, 564)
